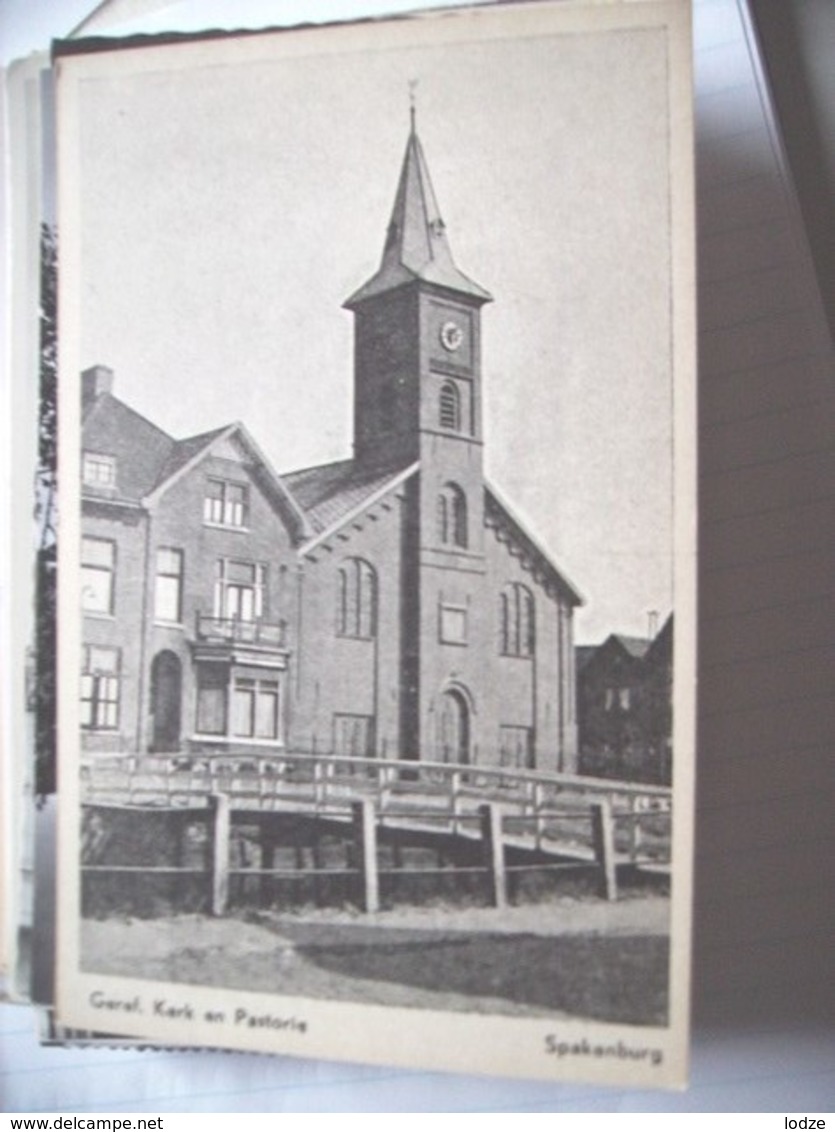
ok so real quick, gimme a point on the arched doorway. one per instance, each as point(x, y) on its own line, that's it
point(455, 728)
point(166, 701)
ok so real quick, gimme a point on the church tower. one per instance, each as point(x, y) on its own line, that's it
point(418, 398)
point(417, 334)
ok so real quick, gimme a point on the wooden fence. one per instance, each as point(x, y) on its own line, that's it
point(504, 823)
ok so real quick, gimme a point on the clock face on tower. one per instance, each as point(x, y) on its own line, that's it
point(451, 335)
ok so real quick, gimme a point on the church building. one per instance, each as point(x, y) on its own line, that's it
point(389, 605)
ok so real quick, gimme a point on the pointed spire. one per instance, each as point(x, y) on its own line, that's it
point(416, 243)
point(413, 105)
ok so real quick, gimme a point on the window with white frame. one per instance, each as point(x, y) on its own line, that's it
point(618, 699)
point(168, 594)
point(100, 686)
point(255, 708)
point(226, 503)
point(240, 590)
point(98, 575)
point(98, 471)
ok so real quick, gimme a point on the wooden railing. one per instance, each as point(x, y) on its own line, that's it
point(546, 812)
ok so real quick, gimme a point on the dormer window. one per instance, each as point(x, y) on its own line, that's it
point(98, 471)
point(225, 504)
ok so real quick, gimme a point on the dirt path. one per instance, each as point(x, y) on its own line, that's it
point(566, 958)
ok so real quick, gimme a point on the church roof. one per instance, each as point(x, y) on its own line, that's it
point(498, 513)
point(416, 245)
point(330, 492)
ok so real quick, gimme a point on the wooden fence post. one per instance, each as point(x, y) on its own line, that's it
point(492, 848)
point(602, 831)
point(365, 844)
point(219, 825)
point(385, 781)
point(320, 786)
point(268, 847)
point(317, 857)
point(634, 828)
point(455, 799)
point(537, 805)
point(180, 824)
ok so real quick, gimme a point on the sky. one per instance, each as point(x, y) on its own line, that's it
point(229, 206)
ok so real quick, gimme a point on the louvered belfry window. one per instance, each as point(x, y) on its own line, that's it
point(449, 407)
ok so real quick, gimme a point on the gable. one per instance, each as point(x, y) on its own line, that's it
point(232, 448)
point(223, 508)
point(612, 658)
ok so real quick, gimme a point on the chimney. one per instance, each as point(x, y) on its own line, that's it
point(95, 381)
point(652, 624)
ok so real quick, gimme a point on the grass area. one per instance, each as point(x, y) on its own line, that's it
point(577, 959)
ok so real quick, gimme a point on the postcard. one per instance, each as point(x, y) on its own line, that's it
point(377, 540)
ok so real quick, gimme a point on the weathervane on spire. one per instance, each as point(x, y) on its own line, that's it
point(413, 101)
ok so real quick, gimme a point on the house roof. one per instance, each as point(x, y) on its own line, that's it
point(416, 244)
point(662, 644)
point(583, 654)
point(331, 492)
point(184, 451)
point(149, 461)
point(141, 450)
point(637, 647)
point(616, 648)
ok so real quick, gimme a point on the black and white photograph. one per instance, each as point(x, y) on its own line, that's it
point(377, 539)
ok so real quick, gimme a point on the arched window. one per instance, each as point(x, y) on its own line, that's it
point(517, 628)
point(454, 737)
point(452, 516)
point(356, 609)
point(449, 407)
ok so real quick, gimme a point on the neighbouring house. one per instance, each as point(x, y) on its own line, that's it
point(624, 706)
point(388, 605)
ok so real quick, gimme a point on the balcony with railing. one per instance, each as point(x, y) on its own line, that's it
point(236, 631)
